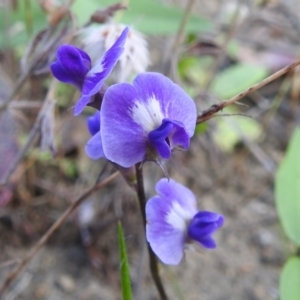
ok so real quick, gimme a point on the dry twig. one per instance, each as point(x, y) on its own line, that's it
point(33, 132)
point(210, 112)
point(15, 272)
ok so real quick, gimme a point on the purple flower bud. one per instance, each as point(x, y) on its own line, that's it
point(93, 147)
point(93, 123)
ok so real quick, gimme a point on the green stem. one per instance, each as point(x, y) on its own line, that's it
point(153, 261)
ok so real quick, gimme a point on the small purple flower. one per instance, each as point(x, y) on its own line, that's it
point(93, 147)
point(74, 66)
point(173, 222)
point(146, 120)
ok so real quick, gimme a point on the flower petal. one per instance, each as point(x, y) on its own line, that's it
point(93, 147)
point(93, 123)
point(81, 104)
point(71, 66)
point(203, 225)
point(175, 103)
point(124, 141)
point(208, 242)
point(168, 135)
point(167, 216)
point(103, 67)
point(166, 241)
point(158, 138)
point(170, 190)
point(179, 135)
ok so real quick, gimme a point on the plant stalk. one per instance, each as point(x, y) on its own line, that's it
point(152, 257)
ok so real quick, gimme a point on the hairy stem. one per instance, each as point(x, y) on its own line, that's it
point(153, 261)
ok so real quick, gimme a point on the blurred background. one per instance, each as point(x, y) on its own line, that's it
point(214, 50)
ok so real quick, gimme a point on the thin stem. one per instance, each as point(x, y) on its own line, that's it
point(32, 134)
point(180, 33)
point(24, 262)
point(19, 84)
point(222, 54)
point(152, 257)
point(141, 191)
point(172, 57)
point(209, 113)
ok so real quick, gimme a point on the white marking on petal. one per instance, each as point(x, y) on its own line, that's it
point(98, 68)
point(148, 115)
point(178, 217)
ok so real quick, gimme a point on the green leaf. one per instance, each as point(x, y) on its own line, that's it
point(124, 272)
point(290, 280)
point(230, 131)
point(148, 16)
point(201, 128)
point(287, 190)
point(236, 79)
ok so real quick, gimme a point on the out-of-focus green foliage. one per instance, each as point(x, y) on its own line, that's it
point(39, 155)
point(65, 95)
point(290, 280)
point(124, 266)
point(18, 27)
point(201, 128)
point(68, 167)
point(237, 78)
point(287, 190)
point(233, 48)
point(148, 16)
point(195, 69)
point(230, 131)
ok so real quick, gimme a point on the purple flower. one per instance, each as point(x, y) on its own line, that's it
point(93, 147)
point(173, 222)
point(74, 66)
point(145, 120)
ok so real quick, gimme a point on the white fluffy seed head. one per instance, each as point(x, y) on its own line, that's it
point(135, 59)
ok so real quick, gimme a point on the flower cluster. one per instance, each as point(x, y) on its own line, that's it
point(142, 121)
